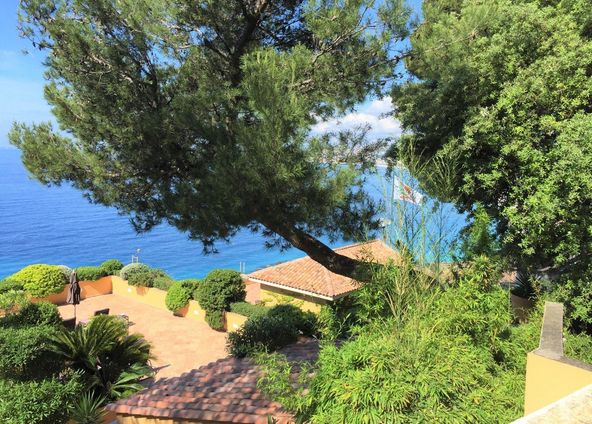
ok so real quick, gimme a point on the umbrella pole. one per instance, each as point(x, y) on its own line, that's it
point(75, 314)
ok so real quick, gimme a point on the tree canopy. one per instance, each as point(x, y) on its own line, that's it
point(503, 89)
point(199, 113)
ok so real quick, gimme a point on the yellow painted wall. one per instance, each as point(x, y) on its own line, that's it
point(87, 289)
point(273, 296)
point(234, 321)
point(548, 380)
point(147, 295)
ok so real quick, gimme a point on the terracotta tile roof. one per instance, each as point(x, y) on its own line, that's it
point(306, 275)
point(222, 391)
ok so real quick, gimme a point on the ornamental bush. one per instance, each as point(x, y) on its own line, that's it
point(111, 266)
point(33, 314)
point(305, 322)
point(41, 280)
point(7, 285)
point(90, 273)
point(44, 402)
point(248, 309)
point(163, 283)
point(146, 278)
point(25, 353)
point(215, 320)
point(133, 268)
point(219, 289)
point(66, 270)
point(178, 296)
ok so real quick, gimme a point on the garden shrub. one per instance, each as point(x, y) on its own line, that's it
point(25, 353)
point(219, 289)
point(66, 270)
point(90, 273)
point(146, 278)
point(132, 268)
point(41, 280)
point(32, 314)
point(163, 283)
point(215, 320)
point(178, 296)
point(261, 333)
point(248, 309)
point(44, 402)
point(7, 285)
point(305, 322)
point(12, 301)
point(111, 266)
point(576, 295)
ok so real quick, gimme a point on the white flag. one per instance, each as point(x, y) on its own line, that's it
point(402, 191)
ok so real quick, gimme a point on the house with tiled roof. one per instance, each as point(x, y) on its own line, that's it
point(307, 284)
point(224, 391)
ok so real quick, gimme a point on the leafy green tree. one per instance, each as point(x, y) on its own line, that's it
point(504, 89)
point(198, 114)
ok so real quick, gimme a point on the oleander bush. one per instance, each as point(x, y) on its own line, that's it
point(38, 402)
point(25, 353)
point(90, 273)
point(112, 266)
point(219, 289)
point(131, 269)
point(7, 285)
point(215, 319)
point(178, 296)
point(248, 309)
point(66, 270)
point(41, 280)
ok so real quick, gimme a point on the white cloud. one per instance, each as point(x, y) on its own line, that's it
point(374, 113)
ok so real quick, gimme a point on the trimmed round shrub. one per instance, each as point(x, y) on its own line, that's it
point(134, 268)
point(33, 314)
point(112, 266)
point(89, 273)
point(66, 270)
point(25, 353)
point(41, 280)
point(177, 296)
point(146, 278)
point(163, 283)
point(215, 320)
point(8, 285)
point(248, 309)
point(219, 289)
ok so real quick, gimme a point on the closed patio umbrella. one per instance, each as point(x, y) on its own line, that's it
point(74, 292)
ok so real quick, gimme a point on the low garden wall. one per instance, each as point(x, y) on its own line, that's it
point(88, 289)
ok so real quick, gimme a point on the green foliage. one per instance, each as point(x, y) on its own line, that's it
point(503, 88)
point(88, 409)
point(248, 309)
point(219, 289)
point(243, 90)
point(163, 283)
point(215, 319)
point(578, 346)
point(11, 301)
point(112, 266)
point(90, 273)
point(261, 333)
point(103, 352)
point(7, 285)
point(67, 271)
point(453, 356)
point(477, 239)
point(25, 353)
point(131, 269)
point(178, 296)
point(147, 278)
point(33, 314)
point(43, 402)
point(41, 280)
point(575, 292)
point(305, 322)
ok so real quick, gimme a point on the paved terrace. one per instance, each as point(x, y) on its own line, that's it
point(179, 344)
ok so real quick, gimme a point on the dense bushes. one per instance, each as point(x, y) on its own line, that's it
point(248, 309)
point(163, 283)
point(7, 285)
point(131, 269)
point(576, 296)
point(44, 402)
point(66, 270)
point(148, 278)
point(178, 296)
point(215, 319)
point(41, 280)
point(31, 314)
point(217, 291)
point(111, 266)
point(90, 273)
point(279, 327)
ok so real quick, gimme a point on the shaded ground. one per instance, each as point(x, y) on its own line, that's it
point(179, 344)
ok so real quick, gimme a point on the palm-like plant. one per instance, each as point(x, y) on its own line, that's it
point(89, 409)
point(111, 360)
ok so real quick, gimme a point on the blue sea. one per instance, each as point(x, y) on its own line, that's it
point(57, 225)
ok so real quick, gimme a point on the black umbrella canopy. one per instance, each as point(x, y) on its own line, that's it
point(74, 292)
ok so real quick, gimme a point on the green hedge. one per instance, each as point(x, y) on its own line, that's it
point(147, 278)
point(215, 320)
point(90, 273)
point(163, 283)
point(248, 309)
point(31, 314)
point(178, 296)
point(25, 353)
point(41, 280)
point(112, 266)
point(219, 289)
point(45, 402)
point(131, 269)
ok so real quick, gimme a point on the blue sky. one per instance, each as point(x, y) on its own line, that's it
point(21, 85)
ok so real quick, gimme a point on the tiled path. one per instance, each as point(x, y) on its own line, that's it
point(179, 344)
